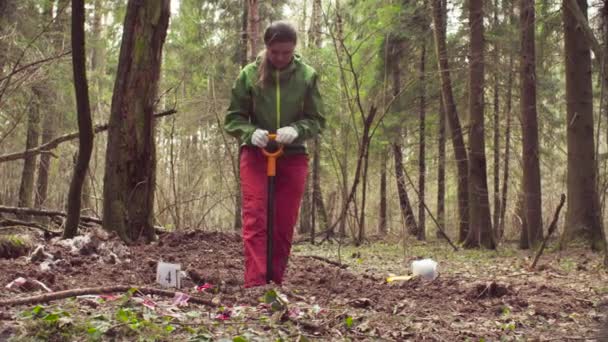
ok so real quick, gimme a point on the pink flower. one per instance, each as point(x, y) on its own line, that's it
point(223, 316)
point(205, 286)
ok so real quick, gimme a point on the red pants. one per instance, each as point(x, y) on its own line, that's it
point(289, 187)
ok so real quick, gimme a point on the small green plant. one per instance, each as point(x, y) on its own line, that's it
point(348, 321)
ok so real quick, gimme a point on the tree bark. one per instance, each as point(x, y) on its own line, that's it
point(244, 37)
point(507, 153)
point(362, 231)
point(452, 119)
point(314, 31)
point(496, 126)
point(422, 152)
point(305, 209)
point(26, 187)
point(441, 171)
point(480, 229)
point(44, 166)
point(319, 203)
point(522, 221)
point(382, 226)
point(407, 213)
point(343, 130)
point(254, 28)
point(529, 121)
point(404, 202)
point(441, 147)
point(85, 125)
point(582, 216)
point(131, 157)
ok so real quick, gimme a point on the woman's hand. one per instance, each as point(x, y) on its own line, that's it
point(260, 138)
point(286, 135)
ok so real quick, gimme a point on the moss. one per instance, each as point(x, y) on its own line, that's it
point(14, 246)
point(156, 9)
point(139, 49)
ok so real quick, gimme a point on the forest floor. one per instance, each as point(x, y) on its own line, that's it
point(478, 296)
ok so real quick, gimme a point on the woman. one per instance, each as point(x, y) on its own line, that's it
point(277, 93)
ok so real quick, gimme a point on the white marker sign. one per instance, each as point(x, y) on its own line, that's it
point(168, 275)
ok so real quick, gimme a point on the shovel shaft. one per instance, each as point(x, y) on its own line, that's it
point(269, 229)
point(272, 152)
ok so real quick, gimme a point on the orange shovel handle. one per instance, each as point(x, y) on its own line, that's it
point(271, 169)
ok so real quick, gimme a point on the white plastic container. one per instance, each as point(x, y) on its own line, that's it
point(425, 268)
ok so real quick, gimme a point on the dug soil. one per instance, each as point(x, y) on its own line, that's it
point(454, 307)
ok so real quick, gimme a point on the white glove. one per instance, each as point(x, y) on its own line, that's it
point(286, 135)
point(260, 138)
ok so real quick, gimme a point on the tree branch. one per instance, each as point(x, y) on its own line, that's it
point(27, 66)
point(44, 148)
point(48, 297)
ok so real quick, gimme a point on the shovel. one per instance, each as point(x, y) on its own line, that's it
point(272, 151)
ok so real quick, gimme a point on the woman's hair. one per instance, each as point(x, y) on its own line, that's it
point(277, 32)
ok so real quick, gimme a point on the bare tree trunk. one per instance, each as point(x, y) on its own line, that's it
point(48, 133)
point(407, 213)
point(238, 203)
point(604, 15)
point(254, 28)
point(362, 229)
point(496, 116)
point(507, 155)
point(244, 37)
point(521, 222)
point(131, 153)
point(382, 227)
point(441, 144)
point(404, 202)
point(441, 171)
point(85, 125)
point(422, 153)
point(343, 132)
point(530, 152)
point(317, 193)
point(314, 31)
point(452, 119)
point(582, 217)
point(173, 175)
point(305, 209)
point(480, 229)
point(7, 10)
point(26, 188)
point(317, 197)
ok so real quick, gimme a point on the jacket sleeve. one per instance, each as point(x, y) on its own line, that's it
point(313, 121)
point(236, 122)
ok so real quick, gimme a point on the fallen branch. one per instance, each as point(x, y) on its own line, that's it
point(5, 223)
point(48, 297)
point(44, 148)
point(43, 212)
point(331, 262)
point(439, 227)
point(552, 228)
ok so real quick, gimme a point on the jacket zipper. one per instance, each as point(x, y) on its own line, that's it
point(278, 85)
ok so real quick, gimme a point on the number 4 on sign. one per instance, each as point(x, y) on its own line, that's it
point(168, 275)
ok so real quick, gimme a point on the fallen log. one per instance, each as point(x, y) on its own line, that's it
point(43, 212)
point(9, 223)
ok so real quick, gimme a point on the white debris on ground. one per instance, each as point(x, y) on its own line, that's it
point(95, 243)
